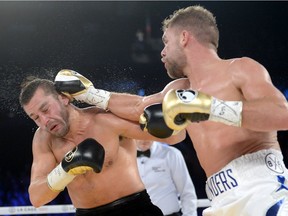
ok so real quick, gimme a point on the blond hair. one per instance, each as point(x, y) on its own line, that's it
point(197, 20)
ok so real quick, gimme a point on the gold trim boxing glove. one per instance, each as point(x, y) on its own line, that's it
point(76, 86)
point(183, 106)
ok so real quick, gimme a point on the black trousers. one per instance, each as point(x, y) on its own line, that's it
point(138, 204)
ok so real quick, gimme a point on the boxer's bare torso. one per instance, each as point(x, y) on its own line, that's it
point(119, 176)
point(242, 79)
point(217, 144)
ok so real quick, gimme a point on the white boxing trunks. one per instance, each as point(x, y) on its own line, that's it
point(255, 184)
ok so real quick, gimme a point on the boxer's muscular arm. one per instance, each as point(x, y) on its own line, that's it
point(132, 130)
point(87, 156)
point(43, 162)
point(264, 108)
point(130, 106)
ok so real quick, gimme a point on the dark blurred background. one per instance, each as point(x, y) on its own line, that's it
point(117, 45)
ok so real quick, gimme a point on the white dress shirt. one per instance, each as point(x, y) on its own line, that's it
point(166, 178)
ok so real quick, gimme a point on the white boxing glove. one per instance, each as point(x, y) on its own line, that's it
point(78, 87)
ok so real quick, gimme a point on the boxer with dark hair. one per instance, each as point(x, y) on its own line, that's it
point(80, 149)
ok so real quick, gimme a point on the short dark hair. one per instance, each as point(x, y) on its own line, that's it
point(31, 84)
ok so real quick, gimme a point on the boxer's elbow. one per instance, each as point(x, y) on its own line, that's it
point(38, 197)
point(35, 201)
point(281, 117)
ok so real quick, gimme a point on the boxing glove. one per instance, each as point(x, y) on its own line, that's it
point(78, 87)
point(152, 121)
point(183, 106)
point(88, 155)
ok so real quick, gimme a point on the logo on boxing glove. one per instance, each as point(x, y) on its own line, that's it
point(186, 96)
point(70, 155)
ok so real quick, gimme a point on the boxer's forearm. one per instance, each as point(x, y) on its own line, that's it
point(77, 87)
point(39, 192)
point(127, 106)
point(265, 115)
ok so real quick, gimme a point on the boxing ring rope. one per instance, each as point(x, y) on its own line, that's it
point(56, 209)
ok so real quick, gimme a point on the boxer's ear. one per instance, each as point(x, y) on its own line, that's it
point(184, 38)
point(64, 99)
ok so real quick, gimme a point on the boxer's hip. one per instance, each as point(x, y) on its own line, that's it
point(254, 180)
point(129, 205)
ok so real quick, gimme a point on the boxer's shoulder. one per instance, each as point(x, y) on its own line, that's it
point(182, 83)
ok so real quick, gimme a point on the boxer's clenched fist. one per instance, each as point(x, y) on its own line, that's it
point(88, 155)
point(152, 121)
point(181, 106)
point(78, 87)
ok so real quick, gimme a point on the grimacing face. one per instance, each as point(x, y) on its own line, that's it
point(49, 113)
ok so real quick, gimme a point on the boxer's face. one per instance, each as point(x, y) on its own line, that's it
point(172, 54)
point(48, 112)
